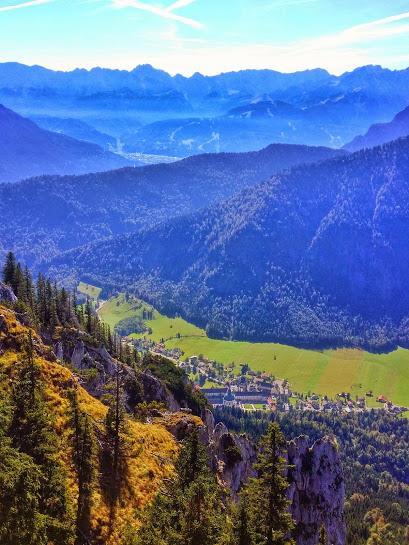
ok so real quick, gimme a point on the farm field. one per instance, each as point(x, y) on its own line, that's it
point(325, 372)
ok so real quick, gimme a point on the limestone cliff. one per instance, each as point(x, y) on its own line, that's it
point(316, 491)
point(74, 349)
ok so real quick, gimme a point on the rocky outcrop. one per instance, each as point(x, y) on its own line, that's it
point(155, 390)
point(232, 455)
point(96, 367)
point(317, 490)
point(7, 294)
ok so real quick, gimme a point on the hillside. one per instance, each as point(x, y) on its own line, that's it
point(47, 215)
point(27, 150)
point(143, 441)
point(75, 128)
point(381, 133)
point(313, 257)
point(109, 450)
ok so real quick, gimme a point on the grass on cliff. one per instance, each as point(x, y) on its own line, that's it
point(326, 372)
point(151, 449)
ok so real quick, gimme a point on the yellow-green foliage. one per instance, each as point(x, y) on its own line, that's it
point(151, 450)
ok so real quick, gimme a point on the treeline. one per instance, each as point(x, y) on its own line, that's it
point(374, 447)
point(50, 309)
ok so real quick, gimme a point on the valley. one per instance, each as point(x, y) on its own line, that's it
point(204, 304)
point(326, 372)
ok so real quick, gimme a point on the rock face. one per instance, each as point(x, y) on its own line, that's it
point(7, 294)
point(232, 455)
point(317, 491)
point(155, 390)
point(102, 369)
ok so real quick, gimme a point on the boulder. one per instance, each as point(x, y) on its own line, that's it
point(7, 294)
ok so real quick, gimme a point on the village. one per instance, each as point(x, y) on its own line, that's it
point(239, 386)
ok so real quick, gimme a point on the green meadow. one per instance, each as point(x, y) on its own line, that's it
point(90, 291)
point(326, 372)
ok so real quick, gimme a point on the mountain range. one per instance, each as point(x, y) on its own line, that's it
point(315, 256)
point(205, 113)
point(27, 150)
point(46, 215)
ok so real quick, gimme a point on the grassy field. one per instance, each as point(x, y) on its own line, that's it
point(167, 328)
point(90, 291)
point(323, 372)
point(117, 308)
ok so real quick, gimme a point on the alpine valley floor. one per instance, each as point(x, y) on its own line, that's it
point(326, 372)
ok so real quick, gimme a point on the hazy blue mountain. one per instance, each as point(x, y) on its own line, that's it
point(382, 133)
point(229, 133)
point(76, 129)
point(315, 256)
point(118, 102)
point(43, 216)
point(27, 150)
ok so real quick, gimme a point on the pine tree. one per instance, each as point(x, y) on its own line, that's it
point(241, 528)
point(32, 434)
point(113, 458)
point(270, 521)
point(83, 459)
point(9, 271)
point(189, 509)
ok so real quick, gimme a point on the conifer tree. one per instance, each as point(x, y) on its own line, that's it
point(189, 509)
point(241, 528)
point(9, 271)
point(31, 433)
point(83, 459)
point(113, 456)
point(270, 520)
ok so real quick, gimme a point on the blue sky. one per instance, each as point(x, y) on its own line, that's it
point(209, 36)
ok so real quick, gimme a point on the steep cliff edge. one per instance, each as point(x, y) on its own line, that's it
point(317, 489)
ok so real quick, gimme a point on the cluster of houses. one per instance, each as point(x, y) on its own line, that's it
point(251, 390)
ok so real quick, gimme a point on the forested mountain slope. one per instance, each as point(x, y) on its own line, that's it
point(317, 256)
point(27, 150)
point(46, 215)
point(381, 133)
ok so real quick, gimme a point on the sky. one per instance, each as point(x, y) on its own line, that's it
point(208, 36)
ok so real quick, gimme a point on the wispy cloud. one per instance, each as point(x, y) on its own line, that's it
point(179, 4)
point(22, 5)
point(165, 13)
point(364, 33)
point(337, 52)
